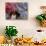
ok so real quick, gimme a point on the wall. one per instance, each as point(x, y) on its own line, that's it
point(25, 27)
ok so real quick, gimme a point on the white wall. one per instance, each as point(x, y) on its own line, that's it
point(25, 27)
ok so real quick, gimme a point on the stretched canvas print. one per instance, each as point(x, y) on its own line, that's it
point(16, 10)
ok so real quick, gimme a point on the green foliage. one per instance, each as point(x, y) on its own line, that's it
point(41, 17)
point(11, 31)
point(45, 17)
